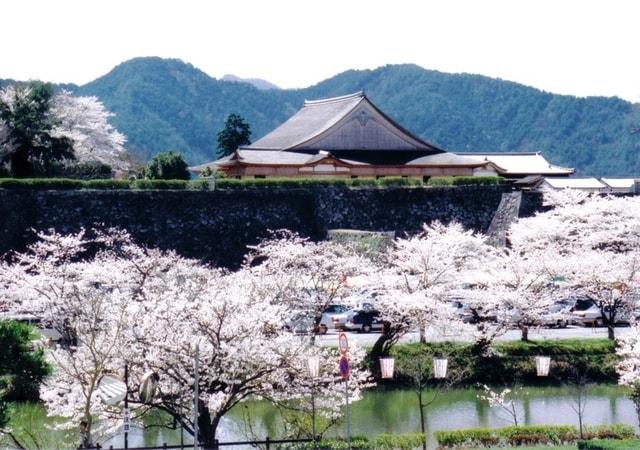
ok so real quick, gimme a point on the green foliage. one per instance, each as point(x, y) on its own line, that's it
point(106, 184)
point(160, 184)
point(40, 183)
point(167, 166)
point(162, 103)
point(30, 148)
point(236, 132)
point(528, 435)
point(90, 170)
point(399, 181)
point(385, 441)
point(468, 181)
point(22, 369)
point(601, 444)
point(514, 361)
point(407, 441)
point(440, 181)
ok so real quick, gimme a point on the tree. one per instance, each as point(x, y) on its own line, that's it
point(22, 369)
point(309, 276)
point(236, 132)
point(85, 121)
point(155, 311)
point(167, 166)
point(421, 272)
point(629, 366)
point(31, 146)
point(610, 280)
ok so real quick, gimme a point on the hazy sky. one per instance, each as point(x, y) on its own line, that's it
point(569, 47)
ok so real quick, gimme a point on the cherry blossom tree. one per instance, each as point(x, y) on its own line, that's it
point(307, 276)
point(421, 271)
point(85, 121)
point(524, 286)
point(122, 304)
point(577, 220)
point(629, 366)
point(611, 280)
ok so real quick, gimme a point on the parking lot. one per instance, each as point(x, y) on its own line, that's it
point(368, 339)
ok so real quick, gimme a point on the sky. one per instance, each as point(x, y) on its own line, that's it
point(581, 48)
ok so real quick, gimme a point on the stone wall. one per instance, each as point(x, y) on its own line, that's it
point(217, 226)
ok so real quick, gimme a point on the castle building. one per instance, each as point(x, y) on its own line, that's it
point(350, 136)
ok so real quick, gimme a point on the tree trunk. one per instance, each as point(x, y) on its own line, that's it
point(611, 333)
point(207, 427)
point(423, 337)
point(421, 407)
point(525, 333)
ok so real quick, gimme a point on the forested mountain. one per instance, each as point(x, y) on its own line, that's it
point(257, 82)
point(165, 104)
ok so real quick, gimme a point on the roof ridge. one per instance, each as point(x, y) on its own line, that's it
point(334, 99)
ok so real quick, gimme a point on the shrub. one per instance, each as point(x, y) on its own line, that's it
point(468, 437)
point(399, 181)
point(514, 360)
point(462, 181)
point(599, 444)
point(160, 184)
point(107, 184)
point(364, 182)
point(406, 441)
point(440, 181)
point(89, 170)
point(21, 367)
point(530, 435)
point(40, 183)
point(167, 166)
point(198, 185)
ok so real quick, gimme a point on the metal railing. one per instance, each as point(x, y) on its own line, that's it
point(267, 442)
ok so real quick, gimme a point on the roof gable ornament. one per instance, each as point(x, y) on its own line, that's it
point(363, 118)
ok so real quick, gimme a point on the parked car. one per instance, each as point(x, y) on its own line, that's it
point(586, 312)
point(300, 322)
point(365, 320)
point(333, 317)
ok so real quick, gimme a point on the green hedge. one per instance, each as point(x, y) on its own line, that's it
point(41, 183)
point(608, 444)
point(528, 435)
point(406, 441)
point(514, 360)
point(463, 181)
point(230, 183)
point(107, 184)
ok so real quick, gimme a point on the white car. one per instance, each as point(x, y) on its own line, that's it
point(334, 317)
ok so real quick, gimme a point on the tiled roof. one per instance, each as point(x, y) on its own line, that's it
point(350, 122)
point(517, 163)
point(575, 183)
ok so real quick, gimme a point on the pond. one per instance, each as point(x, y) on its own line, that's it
point(395, 411)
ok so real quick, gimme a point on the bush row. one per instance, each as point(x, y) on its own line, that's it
point(407, 441)
point(230, 183)
point(529, 435)
point(601, 444)
point(101, 184)
point(591, 359)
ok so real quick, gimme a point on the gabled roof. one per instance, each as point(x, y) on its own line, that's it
point(575, 183)
point(350, 122)
point(520, 163)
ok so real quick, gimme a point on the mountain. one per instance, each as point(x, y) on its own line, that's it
point(164, 104)
point(259, 83)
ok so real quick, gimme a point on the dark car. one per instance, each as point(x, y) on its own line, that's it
point(365, 320)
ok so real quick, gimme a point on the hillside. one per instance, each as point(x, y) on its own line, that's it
point(257, 82)
point(167, 104)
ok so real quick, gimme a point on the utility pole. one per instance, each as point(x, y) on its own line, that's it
point(196, 395)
